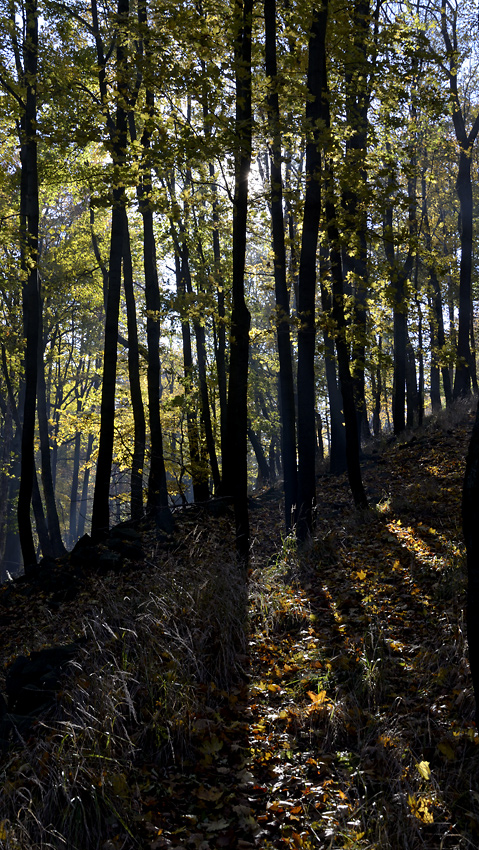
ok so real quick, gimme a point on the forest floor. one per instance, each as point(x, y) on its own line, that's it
point(339, 716)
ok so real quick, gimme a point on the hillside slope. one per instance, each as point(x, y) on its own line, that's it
point(326, 704)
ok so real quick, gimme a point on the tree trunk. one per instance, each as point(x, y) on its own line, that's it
point(139, 439)
point(307, 276)
point(236, 468)
point(101, 507)
point(345, 377)
point(83, 505)
point(286, 386)
point(411, 386)
point(470, 524)
point(53, 522)
point(462, 379)
point(337, 450)
point(264, 473)
point(354, 194)
point(157, 502)
point(29, 214)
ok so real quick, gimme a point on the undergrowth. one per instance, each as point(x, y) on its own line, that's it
point(325, 703)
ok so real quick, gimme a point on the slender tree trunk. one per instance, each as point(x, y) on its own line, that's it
point(157, 502)
point(354, 194)
point(198, 473)
point(83, 505)
point(307, 276)
point(29, 214)
point(345, 377)
point(286, 386)
point(236, 467)
point(219, 324)
point(411, 386)
point(337, 449)
point(470, 524)
point(101, 498)
point(347, 388)
point(73, 533)
point(138, 459)
point(47, 479)
point(462, 379)
point(101, 508)
point(264, 473)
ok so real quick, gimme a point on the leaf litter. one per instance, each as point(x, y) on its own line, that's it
point(347, 719)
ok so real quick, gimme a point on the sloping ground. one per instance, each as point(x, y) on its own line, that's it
point(342, 720)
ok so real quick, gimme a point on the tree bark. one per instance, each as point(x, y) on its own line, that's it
point(286, 386)
point(353, 198)
point(307, 275)
point(236, 468)
point(470, 524)
point(118, 133)
point(157, 501)
point(29, 215)
point(139, 438)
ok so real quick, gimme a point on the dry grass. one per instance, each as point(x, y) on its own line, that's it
point(153, 648)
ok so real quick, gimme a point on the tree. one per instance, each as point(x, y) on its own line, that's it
point(288, 424)
point(466, 140)
point(235, 470)
point(307, 274)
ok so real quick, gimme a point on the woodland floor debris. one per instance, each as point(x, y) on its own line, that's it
point(344, 720)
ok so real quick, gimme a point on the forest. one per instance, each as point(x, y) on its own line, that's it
point(238, 283)
point(235, 240)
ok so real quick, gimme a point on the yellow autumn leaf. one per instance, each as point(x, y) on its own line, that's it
point(361, 574)
point(424, 769)
point(317, 699)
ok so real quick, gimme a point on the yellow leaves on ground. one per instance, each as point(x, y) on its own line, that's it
point(424, 769)
point(420, 808)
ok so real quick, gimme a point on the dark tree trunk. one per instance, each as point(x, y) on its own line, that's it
point(438, 337)
point(337, 450)
point(264, 472)
point(83, 506)
point(307, 276)
point(470, 524)
point(345, 377)
point(101, 498)
point(139, 440)
point(29, 214)
point(376, 389)
point(346, 381)
point(40, 521)
point(118, 133)
point(219, 323)
point(236, 468)
point(411, 386)
point(157, 502)
point(462, 379)
point(354, 194)
point(47, 478)
point(286, 386)
point(73, 532)
point(199, 475)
